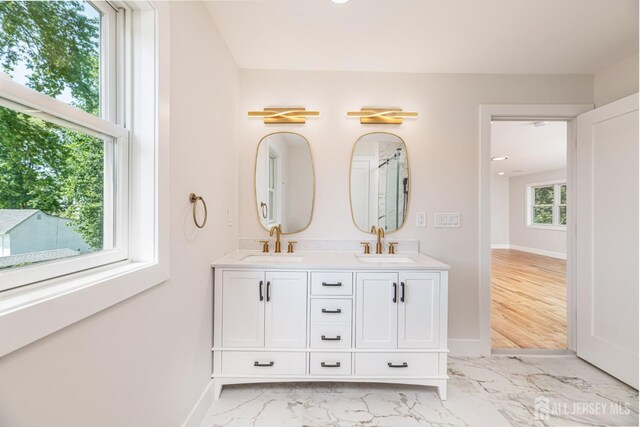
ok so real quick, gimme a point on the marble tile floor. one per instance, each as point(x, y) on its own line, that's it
point(487, 391)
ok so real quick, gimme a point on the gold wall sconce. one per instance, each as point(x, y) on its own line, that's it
point(384, 116)
point(284, 115)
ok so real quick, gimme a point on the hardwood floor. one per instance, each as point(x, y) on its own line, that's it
point(528, 301)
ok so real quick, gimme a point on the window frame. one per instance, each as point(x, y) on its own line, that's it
point(30, 313)
point(555, 207)
point(111, 126)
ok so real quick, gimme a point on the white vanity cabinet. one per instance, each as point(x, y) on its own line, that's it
point(397, 310)
point(293, 322)
point(264, 309)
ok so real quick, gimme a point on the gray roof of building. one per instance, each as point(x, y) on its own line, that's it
point(9, 218)
point(28, 258)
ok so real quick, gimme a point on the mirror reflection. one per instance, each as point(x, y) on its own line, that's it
point(284, 182)
point(379, 182)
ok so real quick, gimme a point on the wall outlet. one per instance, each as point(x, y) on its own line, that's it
point(421, 219)
point(447, 219)
point(229, 217)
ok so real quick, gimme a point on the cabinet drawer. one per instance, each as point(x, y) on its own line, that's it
point(397, 364)
point(330, 336)
point(331, 283)
point(330, 364)
point(331, 311)
point(263, 363)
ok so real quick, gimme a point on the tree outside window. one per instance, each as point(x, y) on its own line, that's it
point(53, 47)
point(547, 204)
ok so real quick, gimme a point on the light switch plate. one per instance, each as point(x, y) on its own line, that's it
point(447, 219)
point(421, 219)
point(229, 217)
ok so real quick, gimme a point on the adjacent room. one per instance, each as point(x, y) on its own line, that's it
point(529, 234)
point(319, 213)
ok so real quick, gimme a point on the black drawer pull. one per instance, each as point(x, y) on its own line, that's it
point(331, 284)
point(338, 311)
point(263, 365)
point(404, 365)
point(402, 294)
point(336, 338)
point(326, 365)
point(268, 294)
point(395, 292)
point(260, 290)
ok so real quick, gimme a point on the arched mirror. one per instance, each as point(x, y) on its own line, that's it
point(379, 182)
point(284, 182)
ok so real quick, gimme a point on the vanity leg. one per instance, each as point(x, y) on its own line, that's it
point(442, 391)
point(217, 388)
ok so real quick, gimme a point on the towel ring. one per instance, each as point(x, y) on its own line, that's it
point(194, 201)
point(264, 209)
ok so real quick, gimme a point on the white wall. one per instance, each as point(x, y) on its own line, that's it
point(145, 361)
point(300, 186)
point(616, 81)
point(499, 211)
point(443, 149)
point(522, 237)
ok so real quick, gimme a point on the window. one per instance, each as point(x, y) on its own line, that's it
point(135, 173)
point(63, 147)
point(547, 205)
point(274, 188)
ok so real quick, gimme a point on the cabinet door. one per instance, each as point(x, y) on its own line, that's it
point(376, 310)
point(242, 309)
point(419, 310)
point(286, 309)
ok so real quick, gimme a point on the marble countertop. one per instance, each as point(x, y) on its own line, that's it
point(329, 260)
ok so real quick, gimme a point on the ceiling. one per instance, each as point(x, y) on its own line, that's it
point(529, 148)
point(430, 36)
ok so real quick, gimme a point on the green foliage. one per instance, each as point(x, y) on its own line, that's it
point(543, 195)
point(58, 43)
point(563, 215)
point(43, 166)
point(543, 215)
point(83, 186)
point(30, 176)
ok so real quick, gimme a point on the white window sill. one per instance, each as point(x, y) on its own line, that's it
point(33, 312)
point(547, 227)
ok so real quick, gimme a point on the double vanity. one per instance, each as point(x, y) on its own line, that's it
point(330, 316)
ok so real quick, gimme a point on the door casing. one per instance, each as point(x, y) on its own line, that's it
point(522, 112)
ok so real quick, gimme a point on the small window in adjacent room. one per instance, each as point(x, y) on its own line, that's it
point(547, 205)
point(63, 151)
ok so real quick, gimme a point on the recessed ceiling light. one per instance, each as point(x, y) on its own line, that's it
point(496, 159)
point(339, 1)
point(517, 171)
point(500, 173)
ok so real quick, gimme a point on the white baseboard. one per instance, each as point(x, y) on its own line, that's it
point(551, 254)
point(499, 246)
point(467, 348)
point(195, 417)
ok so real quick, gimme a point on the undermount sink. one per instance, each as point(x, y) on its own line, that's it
point(272, 258)
point(386, 259)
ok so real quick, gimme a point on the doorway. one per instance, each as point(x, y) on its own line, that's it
point(529, 234)
point(591, 133)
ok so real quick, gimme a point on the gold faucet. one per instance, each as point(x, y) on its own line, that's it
point(278, 230)
point(380, 234)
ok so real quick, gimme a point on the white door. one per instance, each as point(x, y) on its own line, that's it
point(419, 310)
point(286, 309)
point(607, 238)
point(243, 308)
point(376, 310)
